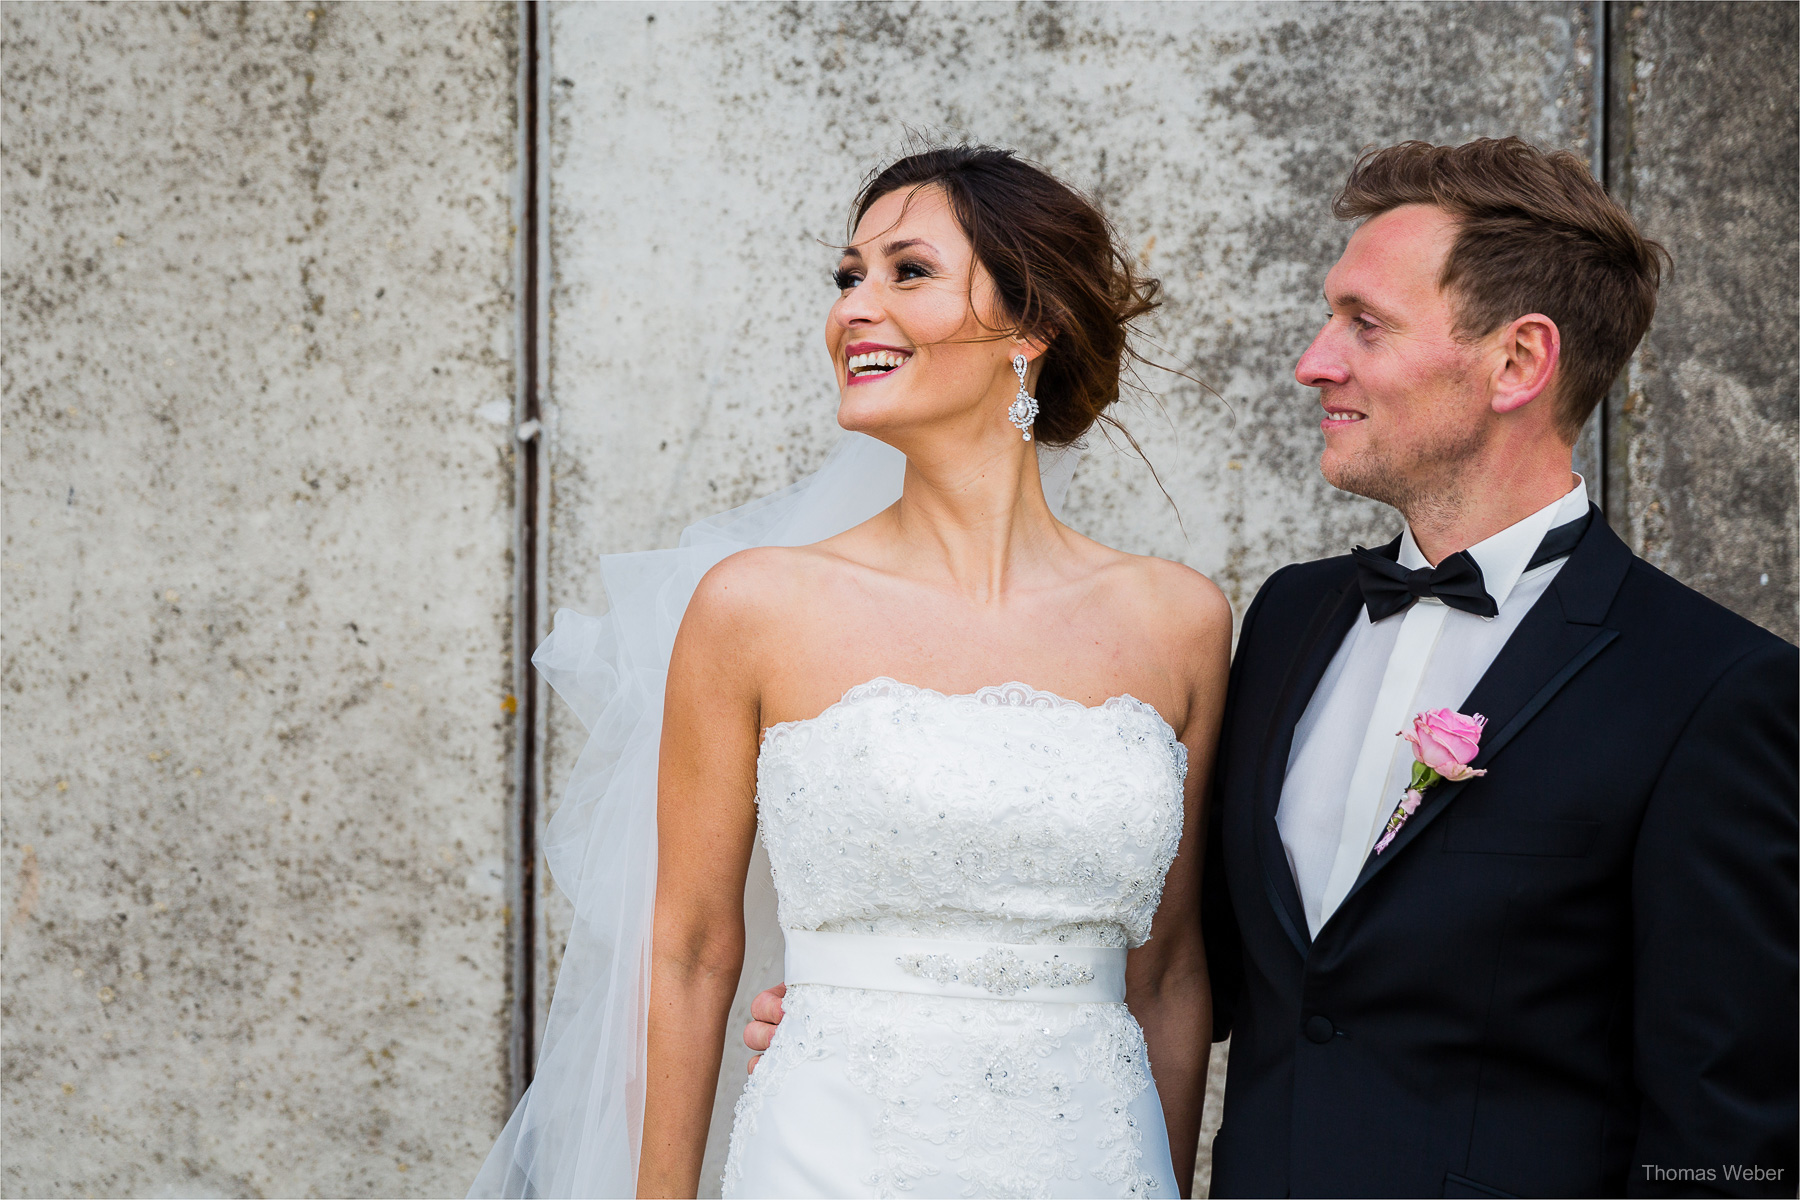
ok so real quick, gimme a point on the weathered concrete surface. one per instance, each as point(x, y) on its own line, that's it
point(1703, 439)
point(257, 287)
point(705, 155)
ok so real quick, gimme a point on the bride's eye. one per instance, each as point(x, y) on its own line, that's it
point(906, 271)
point(844, 279)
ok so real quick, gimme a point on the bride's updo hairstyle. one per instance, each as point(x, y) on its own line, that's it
point(1061, 275)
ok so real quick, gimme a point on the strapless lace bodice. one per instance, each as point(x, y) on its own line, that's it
point(1008, 814)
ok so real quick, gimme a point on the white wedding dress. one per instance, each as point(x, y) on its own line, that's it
point(959, 878)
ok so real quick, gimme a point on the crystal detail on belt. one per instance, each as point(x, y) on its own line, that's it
point(1000, 972)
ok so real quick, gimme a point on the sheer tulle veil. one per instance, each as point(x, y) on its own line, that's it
point(576, 1131)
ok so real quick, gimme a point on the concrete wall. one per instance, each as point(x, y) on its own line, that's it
point(259, 523)
point(703, 157)
point(1703, 433)
point(257, 290)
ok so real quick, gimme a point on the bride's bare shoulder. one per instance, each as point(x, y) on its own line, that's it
point(760, 584)
point(1169, 598)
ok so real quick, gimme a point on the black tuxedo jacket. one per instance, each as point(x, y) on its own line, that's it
point(1575, 976)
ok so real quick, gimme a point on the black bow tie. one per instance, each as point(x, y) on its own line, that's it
point(1388, 587)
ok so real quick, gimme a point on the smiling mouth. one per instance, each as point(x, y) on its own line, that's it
point(873, 364)
point(1343, 418)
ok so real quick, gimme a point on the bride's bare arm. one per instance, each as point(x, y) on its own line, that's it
point(1166, 985)
point(706, 821)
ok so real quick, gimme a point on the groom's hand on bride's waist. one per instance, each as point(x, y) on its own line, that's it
point(765, 1015)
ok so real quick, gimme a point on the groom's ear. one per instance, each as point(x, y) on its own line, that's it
point(1526, 354)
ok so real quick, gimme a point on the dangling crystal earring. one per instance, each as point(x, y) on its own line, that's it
point(1024, 410)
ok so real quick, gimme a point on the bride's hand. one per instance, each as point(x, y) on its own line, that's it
point(765, 1015)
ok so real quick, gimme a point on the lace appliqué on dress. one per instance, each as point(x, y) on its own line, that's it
point(1122, 1060)
point(994, 1090)
point(1010, 804)
point(801, 1040)
point(1009, 815)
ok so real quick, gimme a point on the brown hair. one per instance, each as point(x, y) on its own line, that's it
point(1537, 234)
point(1057, 265)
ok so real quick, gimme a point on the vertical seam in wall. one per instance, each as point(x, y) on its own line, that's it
point(528, 442)
point(1601, 86)
point(1620, 66)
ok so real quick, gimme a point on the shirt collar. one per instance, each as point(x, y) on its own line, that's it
point(1502, 558)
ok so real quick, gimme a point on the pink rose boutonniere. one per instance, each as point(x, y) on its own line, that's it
point(1444, 743)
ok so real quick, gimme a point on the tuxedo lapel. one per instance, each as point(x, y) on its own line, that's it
point(1337, 611)
point(1559, 636)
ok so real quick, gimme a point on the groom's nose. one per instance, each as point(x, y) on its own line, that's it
point(1322, 365)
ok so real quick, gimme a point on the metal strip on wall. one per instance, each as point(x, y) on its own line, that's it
point(529, 506)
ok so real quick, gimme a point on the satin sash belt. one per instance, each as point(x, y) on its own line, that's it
point(1054, 974)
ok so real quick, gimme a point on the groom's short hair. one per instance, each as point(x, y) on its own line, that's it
point(1536, 234)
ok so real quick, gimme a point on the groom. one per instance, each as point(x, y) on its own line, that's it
point(1573, 972)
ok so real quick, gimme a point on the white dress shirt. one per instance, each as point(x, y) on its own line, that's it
point(1348, 768)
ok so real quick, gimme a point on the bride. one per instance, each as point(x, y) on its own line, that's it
point(974, 742)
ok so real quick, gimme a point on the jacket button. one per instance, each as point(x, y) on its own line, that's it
point(1318, 1030)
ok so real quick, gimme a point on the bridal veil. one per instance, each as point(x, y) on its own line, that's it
point(577, 1130)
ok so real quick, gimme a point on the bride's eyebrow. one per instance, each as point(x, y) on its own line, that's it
point(890, 249)
point(899, 247)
